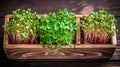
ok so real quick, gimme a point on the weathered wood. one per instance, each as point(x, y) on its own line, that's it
point(114, 40)
point(5, 30)
point(76, 46)
point(33, 53)
point(78, 32)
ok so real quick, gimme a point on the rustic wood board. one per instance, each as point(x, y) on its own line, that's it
point(33, 53)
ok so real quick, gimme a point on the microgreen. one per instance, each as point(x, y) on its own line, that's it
point(57, 29)
point(23, 25)
point(98, 26)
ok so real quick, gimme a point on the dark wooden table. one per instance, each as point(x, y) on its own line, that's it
point(45, 6)
point(25, 63)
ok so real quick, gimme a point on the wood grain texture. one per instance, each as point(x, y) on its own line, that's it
point(85, 46)
point(5, 29)
point(45, 6)
point(69, 54)
point(78, 36)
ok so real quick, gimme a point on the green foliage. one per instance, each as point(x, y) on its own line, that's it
point(23, 23)
point(57, 29)
point(100, 20)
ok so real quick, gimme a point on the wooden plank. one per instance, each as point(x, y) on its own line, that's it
point(114, 40)
point(78, 32)
point(33, 53)
point(118, 47)
point(79, 15)
point(5, 29)
point(8, 16)
point(77, 46)
point(23, 46)
point(96, 46)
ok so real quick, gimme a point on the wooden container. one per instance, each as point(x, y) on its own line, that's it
point(79, 51)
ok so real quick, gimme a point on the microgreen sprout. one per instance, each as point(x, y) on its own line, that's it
point(98, 27)
point(58, 28)
point(22, 26)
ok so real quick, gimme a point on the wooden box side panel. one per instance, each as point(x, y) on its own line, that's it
point(114, 38)
point(78, 36)
point(5, 29)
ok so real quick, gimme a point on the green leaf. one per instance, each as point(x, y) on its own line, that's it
point(50, 46)
point(59, 47)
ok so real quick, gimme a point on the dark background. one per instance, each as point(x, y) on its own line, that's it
point(45, 6)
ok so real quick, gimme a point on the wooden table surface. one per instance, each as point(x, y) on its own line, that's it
point(45, 6)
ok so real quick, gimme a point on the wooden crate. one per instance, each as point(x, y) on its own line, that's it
point(79, 51)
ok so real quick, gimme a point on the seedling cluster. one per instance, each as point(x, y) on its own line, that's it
point(22, 26)
point(53, 30)
point(98, 27)
point(58, 28)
